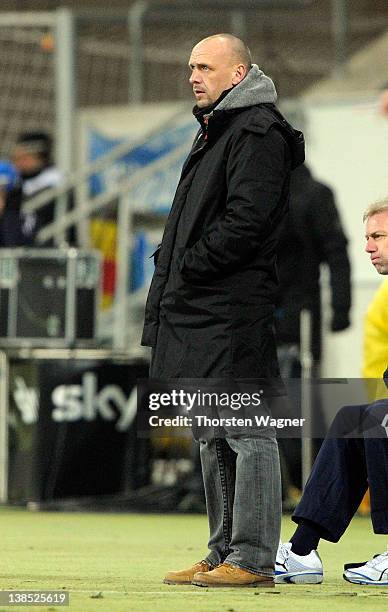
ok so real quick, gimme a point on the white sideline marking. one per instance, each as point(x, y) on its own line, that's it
point(161, 592)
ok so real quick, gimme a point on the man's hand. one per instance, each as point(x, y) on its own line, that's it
point(340, 321)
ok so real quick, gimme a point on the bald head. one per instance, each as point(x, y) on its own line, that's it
point(217, 63)
point(238, 50)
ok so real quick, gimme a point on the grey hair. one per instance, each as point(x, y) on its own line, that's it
point(376, 207)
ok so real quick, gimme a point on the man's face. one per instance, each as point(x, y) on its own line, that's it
point(377, 240)
point(214, 69)
point(25, 161)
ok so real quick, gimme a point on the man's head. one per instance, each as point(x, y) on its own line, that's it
point(376, 217)
point(32, 152)
point(217, 63)
point(384, 103)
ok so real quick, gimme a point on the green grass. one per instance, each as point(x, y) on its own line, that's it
point(124, 558)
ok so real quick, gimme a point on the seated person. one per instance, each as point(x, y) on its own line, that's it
point(344, 468)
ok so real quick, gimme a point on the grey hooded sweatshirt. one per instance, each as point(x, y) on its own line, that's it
point(256, 88)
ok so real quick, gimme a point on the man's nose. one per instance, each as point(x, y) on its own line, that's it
point(194, 77)
point(370, 246)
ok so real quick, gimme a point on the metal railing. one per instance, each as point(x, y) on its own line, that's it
point(122, 193)
point(4, 393)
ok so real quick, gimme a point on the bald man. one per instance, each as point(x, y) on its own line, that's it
point(209, 312)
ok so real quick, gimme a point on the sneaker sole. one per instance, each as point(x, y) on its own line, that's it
point(364, 581)
point(177, 583)
point(299, 578)
point(262, 583)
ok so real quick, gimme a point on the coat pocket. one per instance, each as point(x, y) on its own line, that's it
point(254, 350)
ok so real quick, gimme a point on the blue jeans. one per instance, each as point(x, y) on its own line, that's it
point(243, 498)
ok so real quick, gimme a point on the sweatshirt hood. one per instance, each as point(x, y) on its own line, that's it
point(256, 88)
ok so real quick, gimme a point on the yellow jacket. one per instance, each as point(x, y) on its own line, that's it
point(375, 359)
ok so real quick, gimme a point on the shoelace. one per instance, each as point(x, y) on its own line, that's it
point(285, 551)
point(376, 560)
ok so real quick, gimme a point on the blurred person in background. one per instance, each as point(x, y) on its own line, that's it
point(312, 235)
point(353, 456)
point(209, 312)
point(33, 158)
point(11, 234)
point(383, 103)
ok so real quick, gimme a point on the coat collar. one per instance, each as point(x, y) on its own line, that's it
point(202, 115)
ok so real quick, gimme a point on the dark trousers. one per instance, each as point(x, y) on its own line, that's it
point(353, 456)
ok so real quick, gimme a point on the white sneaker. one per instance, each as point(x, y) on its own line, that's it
point(374, 571)
point(296, 569)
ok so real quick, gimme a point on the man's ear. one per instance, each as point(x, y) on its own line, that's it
point(240, 73)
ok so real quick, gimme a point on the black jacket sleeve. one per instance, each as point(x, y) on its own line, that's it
point(332, 241)
point(256, 171)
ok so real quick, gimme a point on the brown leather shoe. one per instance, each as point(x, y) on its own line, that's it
point(186, 576)
point(226, 575)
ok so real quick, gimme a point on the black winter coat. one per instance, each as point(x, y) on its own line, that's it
point(209, 311)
